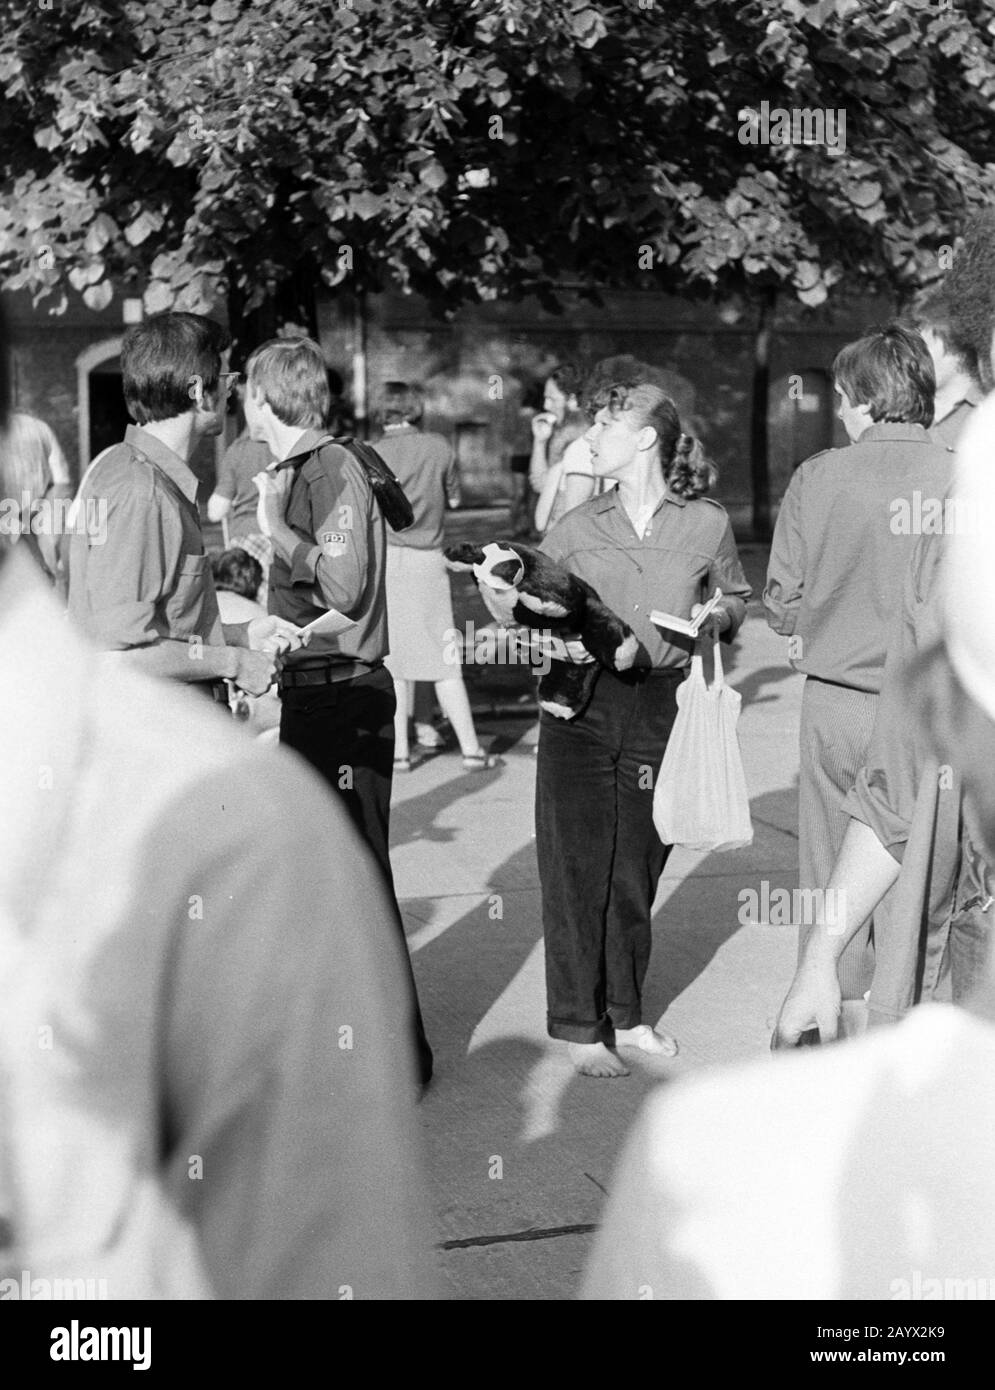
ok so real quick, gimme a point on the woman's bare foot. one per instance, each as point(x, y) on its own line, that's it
point(594, 1059)
point(647, 1040)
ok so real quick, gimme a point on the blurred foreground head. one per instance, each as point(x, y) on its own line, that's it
point(6, 482)
point(969, 530)
point(970, 289)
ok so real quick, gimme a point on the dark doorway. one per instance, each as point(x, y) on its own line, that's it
point(801, 420)
point(108, 415)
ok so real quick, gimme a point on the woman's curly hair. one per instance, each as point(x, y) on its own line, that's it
point(625, 383)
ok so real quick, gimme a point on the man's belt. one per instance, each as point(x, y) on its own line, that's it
point(327, 673)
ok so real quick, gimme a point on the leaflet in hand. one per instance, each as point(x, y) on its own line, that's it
point(690, 627)
point(330, 624)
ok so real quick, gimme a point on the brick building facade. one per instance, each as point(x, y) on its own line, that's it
point(478, 368)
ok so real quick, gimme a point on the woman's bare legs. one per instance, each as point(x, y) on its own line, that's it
point(455, 705)
point(401, 746)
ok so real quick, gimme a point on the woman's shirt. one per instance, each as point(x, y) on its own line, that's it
point(686, 550)
point(426, 468)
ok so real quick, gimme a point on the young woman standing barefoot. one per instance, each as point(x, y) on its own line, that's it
point(654, 542)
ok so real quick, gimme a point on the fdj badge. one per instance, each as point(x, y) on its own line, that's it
point(333, 543)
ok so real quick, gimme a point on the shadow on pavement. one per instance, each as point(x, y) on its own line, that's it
point(702, 914)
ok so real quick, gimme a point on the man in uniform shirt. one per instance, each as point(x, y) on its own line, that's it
point(329, 547)
point(210, 1102)
point(143, 585)
point(834, 583)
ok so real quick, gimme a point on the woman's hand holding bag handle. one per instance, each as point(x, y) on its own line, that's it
point(700, 800)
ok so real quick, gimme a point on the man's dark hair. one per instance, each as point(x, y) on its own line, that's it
point(238, 572)
point(970, 288)
point(931, 309)
point(890, 370)
point(163, 356)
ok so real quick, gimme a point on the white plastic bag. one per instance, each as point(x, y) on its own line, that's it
point(700, 799)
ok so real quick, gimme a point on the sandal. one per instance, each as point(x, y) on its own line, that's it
point(480, 762)
point(406, 764)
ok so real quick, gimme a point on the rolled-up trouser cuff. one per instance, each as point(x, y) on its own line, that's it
point(569, 1030)
point(625, 1018)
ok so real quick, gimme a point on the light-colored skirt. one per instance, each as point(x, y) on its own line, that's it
point(420, 616)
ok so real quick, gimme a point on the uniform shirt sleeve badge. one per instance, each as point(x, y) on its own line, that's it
point(333, 543)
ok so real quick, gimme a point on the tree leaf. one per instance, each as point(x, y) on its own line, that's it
point(142, 228)
point(158, 297)
point(864, 194)
point(433, 175)
point(98, 296)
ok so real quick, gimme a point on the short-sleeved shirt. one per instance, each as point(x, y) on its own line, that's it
point(143, 577)
point(425, 466)
point(845, 534)
point(685, 552)
point(240, 464)
point(341, 557)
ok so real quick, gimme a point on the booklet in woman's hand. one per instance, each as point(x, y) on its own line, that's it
point(690, 627)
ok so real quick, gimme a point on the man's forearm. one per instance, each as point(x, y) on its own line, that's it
point(182, 661)
point(781, 614)
point(862, 874)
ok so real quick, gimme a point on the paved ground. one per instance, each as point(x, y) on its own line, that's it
point(522, 1151)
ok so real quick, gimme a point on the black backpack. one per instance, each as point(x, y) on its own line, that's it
point(397, 510)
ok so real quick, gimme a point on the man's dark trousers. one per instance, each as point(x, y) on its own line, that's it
point(345, 730)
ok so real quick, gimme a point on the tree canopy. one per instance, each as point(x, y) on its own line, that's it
point(468, 150)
